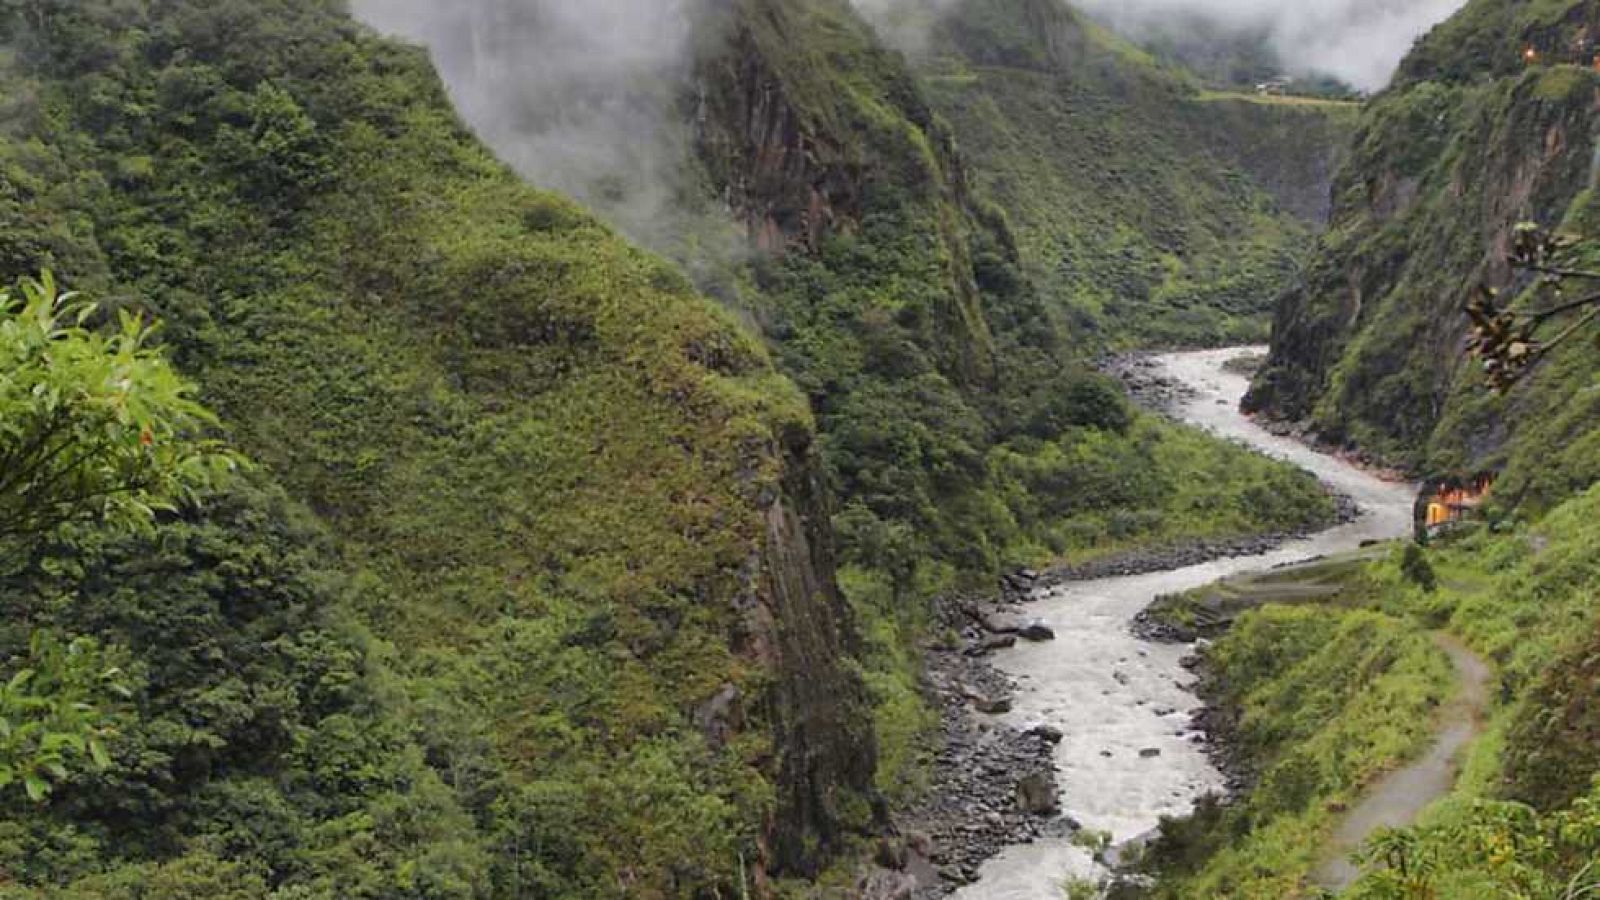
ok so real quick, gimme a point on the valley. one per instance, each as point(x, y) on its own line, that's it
point(1130, 755)
point(799, 449)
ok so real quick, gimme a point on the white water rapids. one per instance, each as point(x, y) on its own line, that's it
point(1116, 697)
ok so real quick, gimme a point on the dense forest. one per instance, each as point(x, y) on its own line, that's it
point(526, 585)
point(379, 521)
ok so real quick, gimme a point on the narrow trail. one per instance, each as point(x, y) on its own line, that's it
point(1397, 799)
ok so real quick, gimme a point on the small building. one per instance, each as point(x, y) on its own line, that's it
point(1448, 503)
point(1277, 87)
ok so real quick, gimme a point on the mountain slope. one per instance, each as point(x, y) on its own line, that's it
point(1147, 210)
point(573, 502)
point(1470, 141)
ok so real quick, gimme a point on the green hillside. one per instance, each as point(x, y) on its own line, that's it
point(1470, 141)
point(544, 505)
point(1148, 211)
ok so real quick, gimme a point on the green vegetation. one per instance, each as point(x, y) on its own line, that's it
point(1210, 610)
point(1147, 211)
point(1445, 167)
point(530, 590)
point(94, 429)
point(92, 425)
point(1327, 699)
point(549, 468)
point(1522, 816)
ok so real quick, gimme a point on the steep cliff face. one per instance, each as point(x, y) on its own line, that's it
point(1148, 210)
point(1472, 139)
point(823, 737)
point(808, 127)
point(573, 496)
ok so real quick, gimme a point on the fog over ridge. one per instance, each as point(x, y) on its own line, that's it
point(1359, 41)
point(579, 96)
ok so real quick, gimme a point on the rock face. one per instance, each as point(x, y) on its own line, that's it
point(799, 625)
point(1470, 141)
point(794, 163)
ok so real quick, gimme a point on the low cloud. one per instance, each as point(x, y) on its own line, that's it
point(1359, 41)
point(579, 96)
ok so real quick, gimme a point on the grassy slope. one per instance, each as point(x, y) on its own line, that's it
point(1143, 207)
point(545, 460)
point(1523, 600)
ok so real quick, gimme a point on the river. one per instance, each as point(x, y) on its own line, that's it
point(1118, 699)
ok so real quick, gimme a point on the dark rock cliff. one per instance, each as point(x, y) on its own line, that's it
point(800, 628)
point(808, 127)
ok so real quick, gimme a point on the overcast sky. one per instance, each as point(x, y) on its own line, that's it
point(1360, 41)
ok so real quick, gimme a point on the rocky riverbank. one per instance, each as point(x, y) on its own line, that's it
point(991, 785)
point(1147, 386)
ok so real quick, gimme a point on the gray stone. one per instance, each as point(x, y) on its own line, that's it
point(1047, 733)
point(1037, 631)
point(993, 706)
point(1036, 795)
point(1003, 623)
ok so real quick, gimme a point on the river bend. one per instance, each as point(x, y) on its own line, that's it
point(1129, 756)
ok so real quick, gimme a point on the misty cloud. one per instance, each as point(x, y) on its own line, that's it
point(579, 96)
point(903, 24)
point(1359, 41)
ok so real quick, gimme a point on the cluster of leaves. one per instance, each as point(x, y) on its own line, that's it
point(1508, 340)
point(92, 424)
point(51, 715)
point(94, 427)
point(1493, 849)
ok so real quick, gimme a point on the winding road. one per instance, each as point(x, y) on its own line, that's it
point(1129, 756)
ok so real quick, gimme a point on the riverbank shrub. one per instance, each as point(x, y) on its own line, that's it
point(1523, 599)
point(1323, 702)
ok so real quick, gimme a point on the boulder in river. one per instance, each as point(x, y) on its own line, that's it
point(1047, 733)
point(992, 642)
point(994, 706)
point(1036, 795)
point(883, 884)
point(1003, 623)
point(1037, 631)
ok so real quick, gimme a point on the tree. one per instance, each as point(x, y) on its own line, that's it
point(1512, 339)
point(94, 427)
